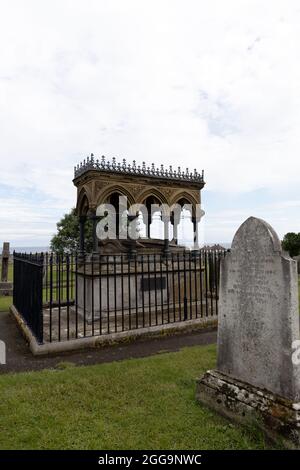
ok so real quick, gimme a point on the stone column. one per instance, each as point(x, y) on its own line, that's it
point(5, 286)
point(195, 230)
point(166, 236)
point(174, 223)
point(131, 242)
point(167, 247)
point(82, 221)
point(149, 223)
point(5, 260)
point(94, 218)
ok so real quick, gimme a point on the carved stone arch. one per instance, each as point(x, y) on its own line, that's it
point(152, 192)
point(152, 196)
point(187, 198)
point(184, 195)
point(83, 202)
point(103, 196)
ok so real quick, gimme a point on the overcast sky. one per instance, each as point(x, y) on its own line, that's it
point(212, 85)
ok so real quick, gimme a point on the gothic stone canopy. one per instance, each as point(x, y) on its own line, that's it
point(98, 180)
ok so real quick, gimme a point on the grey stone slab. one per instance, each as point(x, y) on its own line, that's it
point(258, 328)
point(258, 311)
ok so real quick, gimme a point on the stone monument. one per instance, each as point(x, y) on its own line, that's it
point(5, 286)
point(101, 182)
point(257, 375)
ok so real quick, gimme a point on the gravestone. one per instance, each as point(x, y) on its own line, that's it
point(257, 375)
point(5, 286)
point(5, 259)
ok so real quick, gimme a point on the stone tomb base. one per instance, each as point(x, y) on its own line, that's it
point(278, 417)
point(117, 288)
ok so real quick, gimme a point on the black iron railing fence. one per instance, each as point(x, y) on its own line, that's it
point(28, 290)
point(63, 297)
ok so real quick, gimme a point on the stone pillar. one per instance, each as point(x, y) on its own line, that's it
point(175, 222)
point(258, 372)
point(5, 286)
point(5, 260)
point(167, 247)
point(195, 231)
point(166, 237)
point(94, 219)
point(82, 221)
point(131, 243)
point(149, 223)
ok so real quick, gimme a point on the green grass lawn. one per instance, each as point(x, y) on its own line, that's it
point(134, 404)
point(5, 302)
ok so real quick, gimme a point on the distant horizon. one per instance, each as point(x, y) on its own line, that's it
point(34, 248)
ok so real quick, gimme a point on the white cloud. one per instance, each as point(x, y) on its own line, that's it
point(211, 85)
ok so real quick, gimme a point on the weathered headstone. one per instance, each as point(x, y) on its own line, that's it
point(5, 286)
point(256, 375)
point(5, 259)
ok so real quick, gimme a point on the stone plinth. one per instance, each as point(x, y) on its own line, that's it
point(106, 294)
point(258, 324)
point(241, 402)
point(5, 286)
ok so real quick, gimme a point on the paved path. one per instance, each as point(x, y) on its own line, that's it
point(19, 358)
